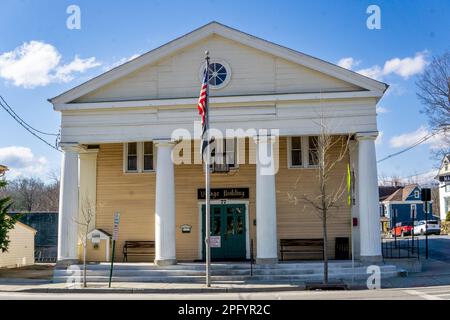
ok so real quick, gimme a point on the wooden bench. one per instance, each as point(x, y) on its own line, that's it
point(138, 248)
point(301, 246)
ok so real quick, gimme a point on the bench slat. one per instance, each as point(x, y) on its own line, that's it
point(301, 246)
point(133, 248)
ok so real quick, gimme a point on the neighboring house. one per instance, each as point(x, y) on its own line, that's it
point(21, 247)
point(119, 129)
point(444, 187)
point(46, 241)
point(384, 192)
point(404, 205)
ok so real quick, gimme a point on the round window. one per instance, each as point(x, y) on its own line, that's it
point(218, 74)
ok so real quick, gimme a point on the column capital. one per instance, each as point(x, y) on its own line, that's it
point(71, 147)
point(370, 135)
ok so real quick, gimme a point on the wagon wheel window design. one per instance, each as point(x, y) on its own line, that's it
point(217, 74)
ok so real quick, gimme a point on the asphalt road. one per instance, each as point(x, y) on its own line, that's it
point(425, 293)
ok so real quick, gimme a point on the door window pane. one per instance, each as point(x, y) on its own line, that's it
point(215, 225)
point(240, 223)
point(230, 226)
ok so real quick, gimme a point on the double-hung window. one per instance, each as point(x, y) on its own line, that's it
point(139, 157)
point(223, 154)
point(132, 157)
point(148, 156)
point(303, 152)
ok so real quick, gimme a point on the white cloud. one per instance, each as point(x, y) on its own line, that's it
point(381, 110)
point(374, 72)
point(120, 62)
point(22, 162)
point(65, 72)
point(379, 139)
point(407, 139)
point(348, 63)
point(404, 68)
point(37, 63)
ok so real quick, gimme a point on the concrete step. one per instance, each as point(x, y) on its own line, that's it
point(229, 279)
point(174, 275)
point(218, 272)
point(215, 266)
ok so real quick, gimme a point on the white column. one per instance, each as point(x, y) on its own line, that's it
point(353, 150)
point(88, 185)
point(68, 204)
point(266, 218)
point(369, 216)
point(165, 205)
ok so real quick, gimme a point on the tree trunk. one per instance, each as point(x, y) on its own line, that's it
point(84, 265)
point(325, 248)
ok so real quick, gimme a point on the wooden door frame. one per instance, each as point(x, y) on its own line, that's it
point(219, 202)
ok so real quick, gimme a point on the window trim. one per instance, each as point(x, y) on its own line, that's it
point(235, 165)
point(304, 151)
point(140, 158)
point(416, 194)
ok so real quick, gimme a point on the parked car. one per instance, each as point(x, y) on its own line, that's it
point(402, 229)
point(421, 227)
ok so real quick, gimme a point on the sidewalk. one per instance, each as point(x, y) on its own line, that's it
point(435, 273)
point(140, 287)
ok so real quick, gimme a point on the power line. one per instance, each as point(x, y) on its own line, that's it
point(415, 144)
point(24, 122)
point(28, 127)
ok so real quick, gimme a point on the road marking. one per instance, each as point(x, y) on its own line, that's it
point(423, 295)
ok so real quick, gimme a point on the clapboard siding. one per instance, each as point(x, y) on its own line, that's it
point(133, 195)
point(21, 247)
point(253, 72)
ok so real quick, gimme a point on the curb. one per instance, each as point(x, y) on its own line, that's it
point(161, 290)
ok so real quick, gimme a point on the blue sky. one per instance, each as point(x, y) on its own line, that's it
point(113, 31)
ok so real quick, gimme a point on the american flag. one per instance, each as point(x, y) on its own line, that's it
point(202, 107)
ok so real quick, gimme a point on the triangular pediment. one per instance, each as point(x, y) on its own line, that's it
point(254, 67)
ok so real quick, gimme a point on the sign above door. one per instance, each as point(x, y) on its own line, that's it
point(224, 193)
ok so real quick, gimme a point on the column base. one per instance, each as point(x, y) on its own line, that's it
point(165, 262)
point(266, 260)
point(371, 259)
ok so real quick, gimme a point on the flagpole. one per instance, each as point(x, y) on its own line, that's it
point(207, 182)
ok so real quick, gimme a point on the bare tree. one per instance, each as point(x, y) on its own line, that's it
point(435, 199)
point(390, 181)
point(32, 194)
point(27, 193)
point(330, 151)
point(434, 93)
point(84, 221)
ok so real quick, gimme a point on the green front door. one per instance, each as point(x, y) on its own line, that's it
point(228, 222)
